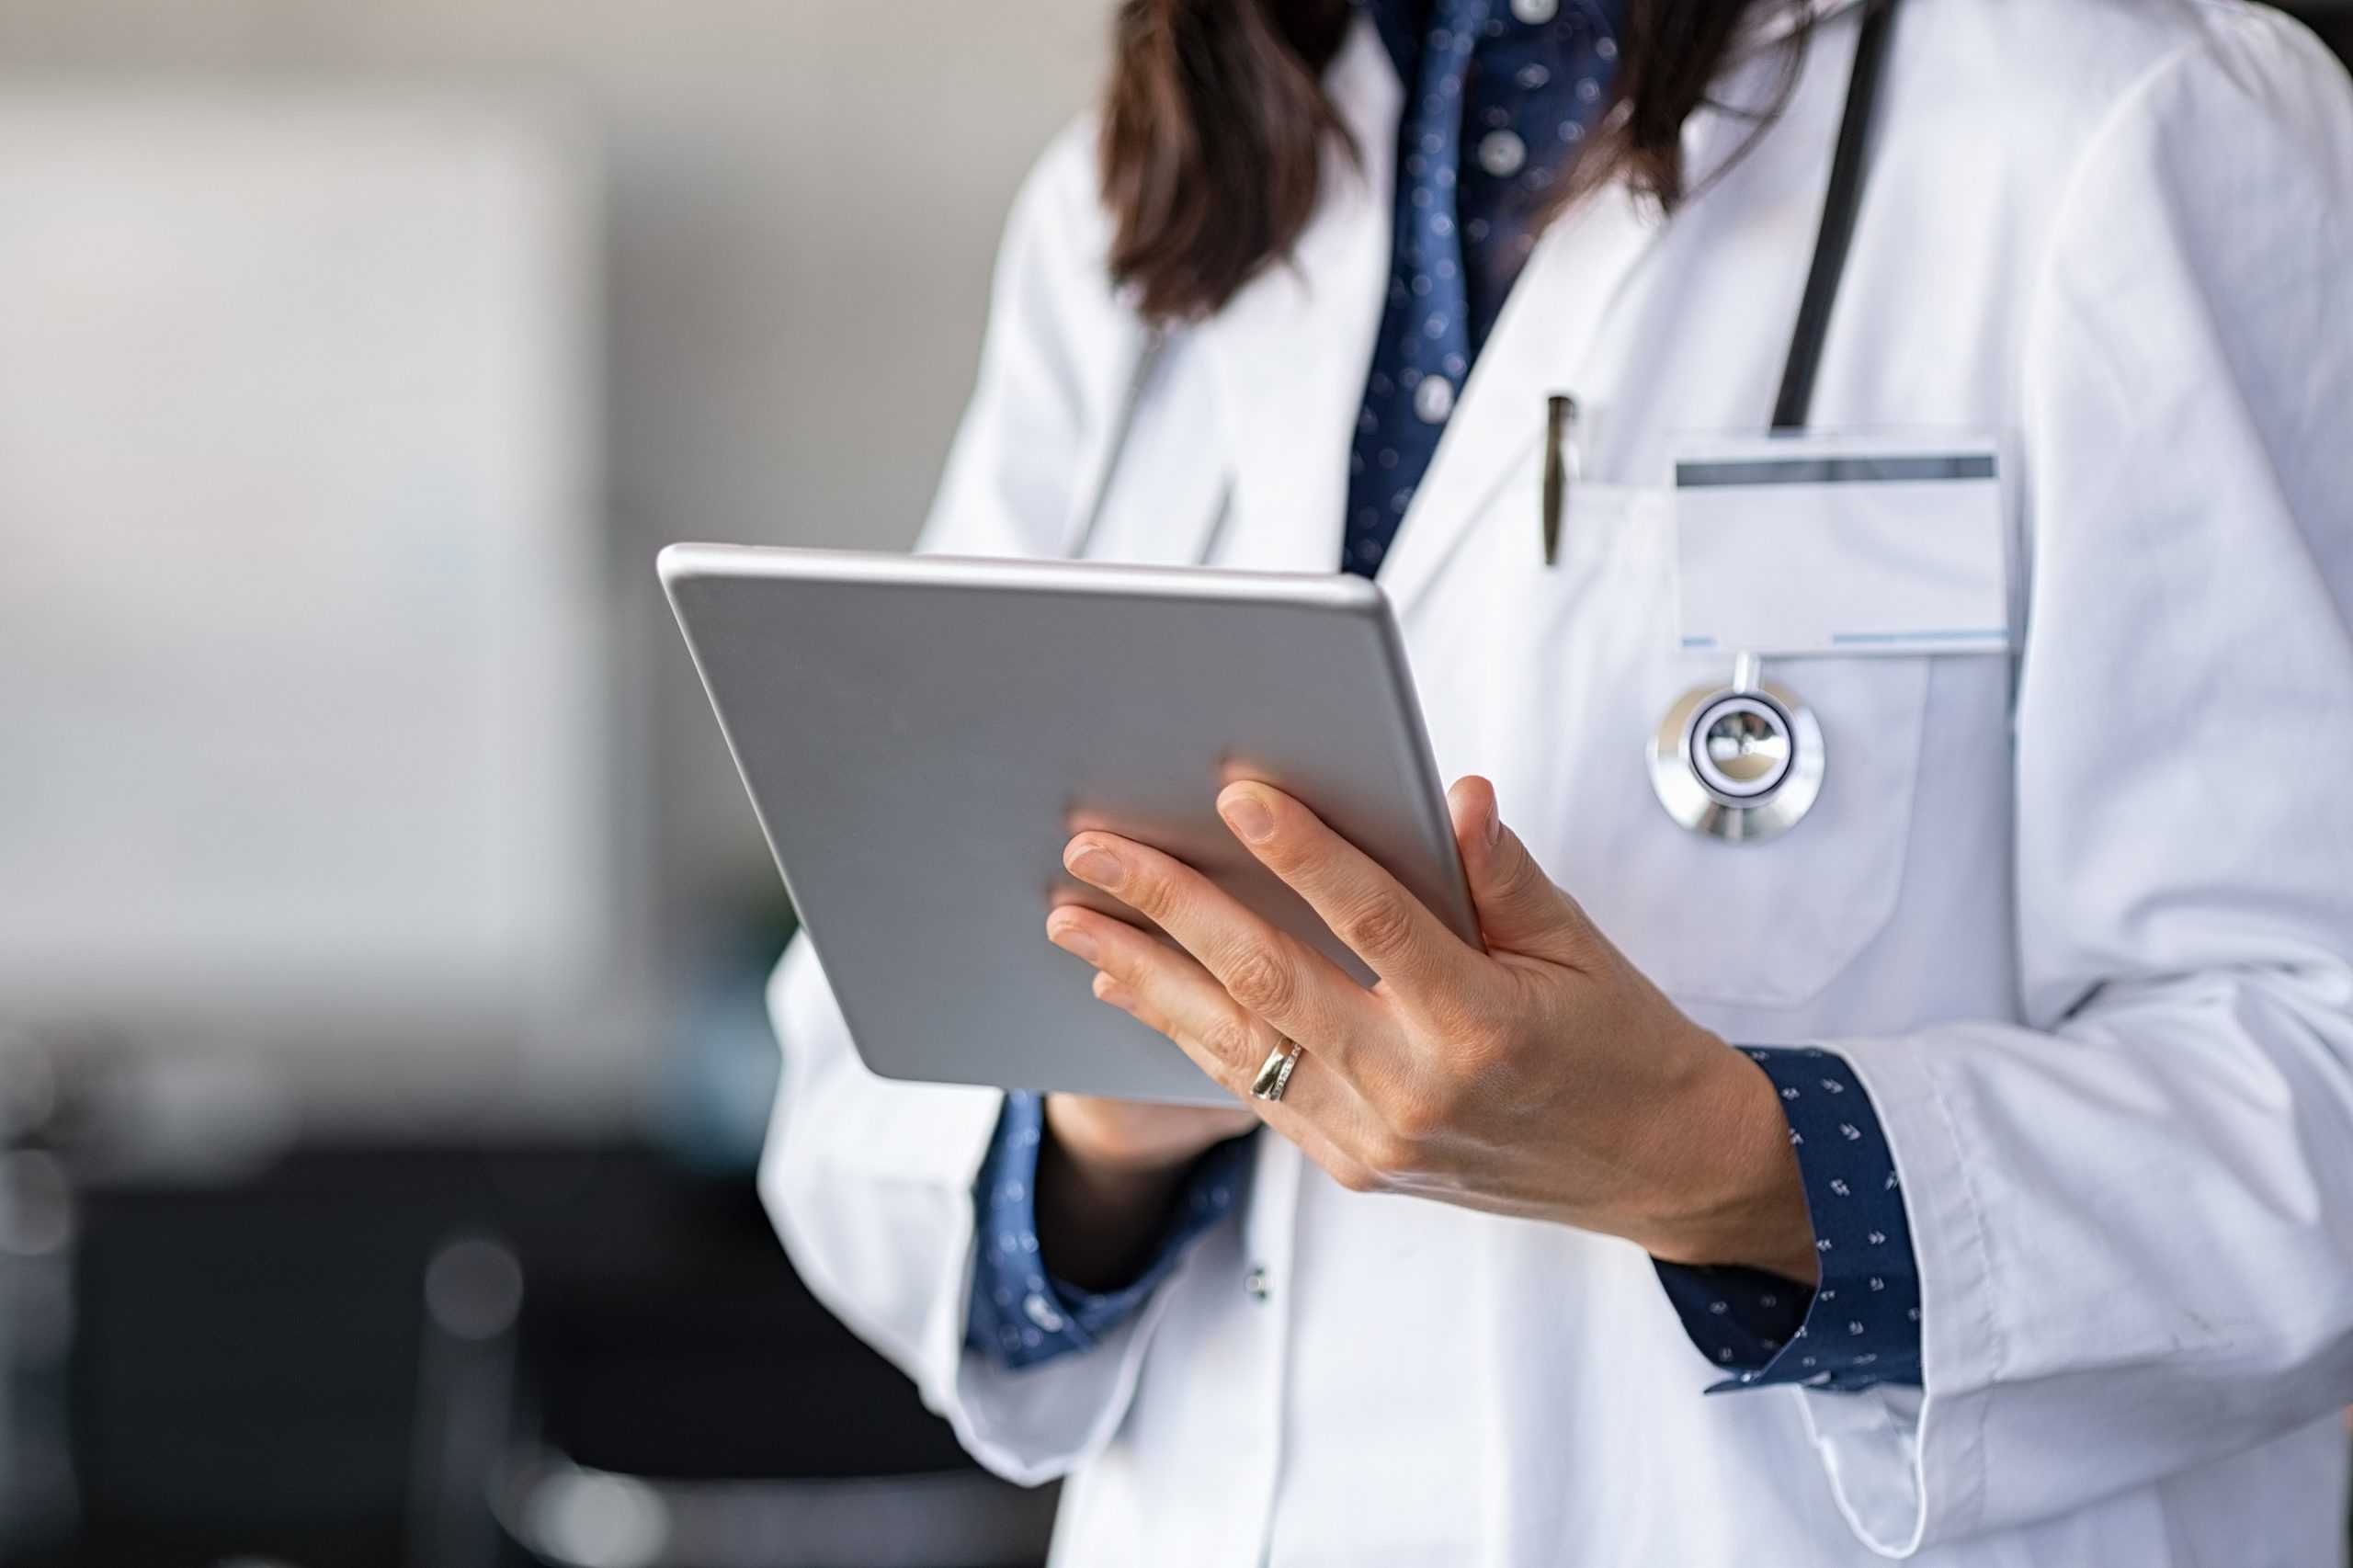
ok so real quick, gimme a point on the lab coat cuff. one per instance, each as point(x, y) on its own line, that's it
point(1029, 1427)
point(894, 1257)
point(1039, 1423)
point(1880, 1449)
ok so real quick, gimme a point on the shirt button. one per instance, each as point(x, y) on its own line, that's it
point(1254, 1283)
point(1535, 11)
point(1434, 400)
point(1501, 153)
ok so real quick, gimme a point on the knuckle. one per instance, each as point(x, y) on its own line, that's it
point(1231, 1040)
point(1147, 888)
point(1482, 1038)
point(1462, 1016)
point(1411, 1124)
point(1260, 981)
point(1353, 1176)
point(1378, 923)
point(1527, 880)
point(1487, 1027)
point(1287, 850)
point(1393, 1152)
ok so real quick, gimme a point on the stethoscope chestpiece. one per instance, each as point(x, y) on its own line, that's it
point(1741, 763)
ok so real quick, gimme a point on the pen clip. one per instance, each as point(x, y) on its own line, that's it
point(1560, 469)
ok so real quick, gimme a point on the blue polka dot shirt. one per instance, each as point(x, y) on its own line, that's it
point(1521, 83)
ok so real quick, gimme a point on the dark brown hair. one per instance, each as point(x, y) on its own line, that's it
point(1214, 125)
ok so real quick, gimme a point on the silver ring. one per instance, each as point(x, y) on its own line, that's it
point(1274, 1076)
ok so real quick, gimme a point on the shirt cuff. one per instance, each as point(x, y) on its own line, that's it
point(1860, 1326)
point(1020, 1313)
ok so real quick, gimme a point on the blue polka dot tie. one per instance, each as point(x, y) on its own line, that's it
point(1522, 84)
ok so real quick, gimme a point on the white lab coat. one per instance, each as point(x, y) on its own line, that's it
point(2081, 920)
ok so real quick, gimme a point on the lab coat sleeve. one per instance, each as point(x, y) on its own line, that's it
point(1055, 358)
point(869, 1181)
point(2134, 1214)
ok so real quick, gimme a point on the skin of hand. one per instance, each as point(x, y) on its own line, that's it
point(1544, 1077)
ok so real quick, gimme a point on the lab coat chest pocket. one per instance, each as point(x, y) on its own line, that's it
point(1552, 679)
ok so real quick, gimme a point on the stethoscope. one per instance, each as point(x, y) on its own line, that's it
point(1741, 763)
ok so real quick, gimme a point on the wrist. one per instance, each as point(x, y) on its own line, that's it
point(1742, 1196)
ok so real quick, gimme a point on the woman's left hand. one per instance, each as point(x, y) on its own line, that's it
point(1544, 1077)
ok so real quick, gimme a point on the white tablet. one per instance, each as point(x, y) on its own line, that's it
point(921, 735)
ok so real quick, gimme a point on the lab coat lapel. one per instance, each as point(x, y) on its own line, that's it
point(1291, 348)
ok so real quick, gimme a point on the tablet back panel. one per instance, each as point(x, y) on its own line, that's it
point(921, 736)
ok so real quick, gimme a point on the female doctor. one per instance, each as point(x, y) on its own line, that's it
point(1946, 1151)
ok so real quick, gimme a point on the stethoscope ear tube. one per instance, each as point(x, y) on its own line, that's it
point(1841, 203)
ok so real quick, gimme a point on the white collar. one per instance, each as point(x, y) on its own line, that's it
point(1786, 20)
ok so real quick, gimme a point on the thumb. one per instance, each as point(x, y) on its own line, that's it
point(1520, 909)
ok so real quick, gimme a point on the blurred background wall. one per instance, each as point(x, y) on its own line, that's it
point(381, 923)
point(794, 205)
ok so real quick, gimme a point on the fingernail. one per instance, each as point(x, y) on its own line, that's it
point(1248, 816)
point(1073, 938)
point(1092, 863)
point(1495, 823)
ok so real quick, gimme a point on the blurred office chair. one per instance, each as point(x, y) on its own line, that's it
point(682, 1425)
point(684, 1414)
point(385, 1356)
point(37, 1226)
point(465, 1404)
point(570, 1515)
